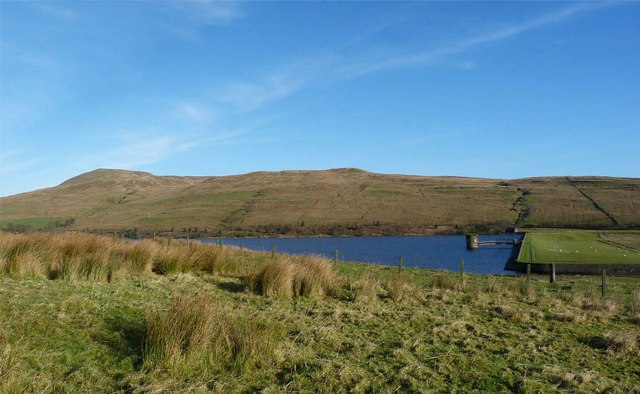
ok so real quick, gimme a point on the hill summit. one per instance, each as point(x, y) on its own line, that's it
point(105, 174)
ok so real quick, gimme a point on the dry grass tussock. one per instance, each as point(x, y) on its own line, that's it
point(223, 259)
point(79, 256)
point(458, 327)
point(294, 276)
point(398, 287)
point(9, 363)
point(513, 314)
point(366, 289)
point(623, 343)
point(634, 305)
point(580, 381)
point(198, 334)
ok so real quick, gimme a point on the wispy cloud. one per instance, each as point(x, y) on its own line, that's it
point(464, 66)
point(429, 56)
point(205, 114)
point(243, 136)
point(211, 12)
point(282, 82)
point(13, 161)
point(374, 31)
point(58, 11)
point(195, 113)
point(27, 93)
point(135, 151)
point(247, 96)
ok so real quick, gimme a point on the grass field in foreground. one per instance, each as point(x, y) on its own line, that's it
point(164, 321)
point(581, 247)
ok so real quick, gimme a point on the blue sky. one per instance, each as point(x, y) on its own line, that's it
point(482, 89)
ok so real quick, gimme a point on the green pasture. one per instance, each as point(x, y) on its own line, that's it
point(580, 247)
point(31, 223)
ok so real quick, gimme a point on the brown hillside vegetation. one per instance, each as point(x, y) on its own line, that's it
point(312, 202)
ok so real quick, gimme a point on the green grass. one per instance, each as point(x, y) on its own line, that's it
point(32, 223)
point(224, 197)
point(580, 247)
point(384, 192)
point(83, 336)
point(377, 331)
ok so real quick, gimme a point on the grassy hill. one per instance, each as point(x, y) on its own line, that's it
point(330, 202)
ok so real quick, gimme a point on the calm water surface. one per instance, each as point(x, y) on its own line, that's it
point(434, 251)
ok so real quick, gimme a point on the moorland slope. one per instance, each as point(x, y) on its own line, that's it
point(338, 201)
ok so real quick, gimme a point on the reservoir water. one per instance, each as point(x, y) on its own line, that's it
point(435, 251)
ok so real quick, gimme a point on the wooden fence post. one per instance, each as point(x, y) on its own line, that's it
point(335, 257)
point(400, 264)
point(273, 251)
point(604, 282)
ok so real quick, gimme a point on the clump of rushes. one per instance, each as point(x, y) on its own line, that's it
point(294, 276)
point(443, 281)
point(140, 256)
point(365, 290)
point(218, 258)
point(397, 286)
point(171, 262)
point(197, 334)
point(56, 256)
point(78, 256)
point(17, 258)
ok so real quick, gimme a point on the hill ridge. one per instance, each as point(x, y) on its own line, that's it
point(335, 201)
